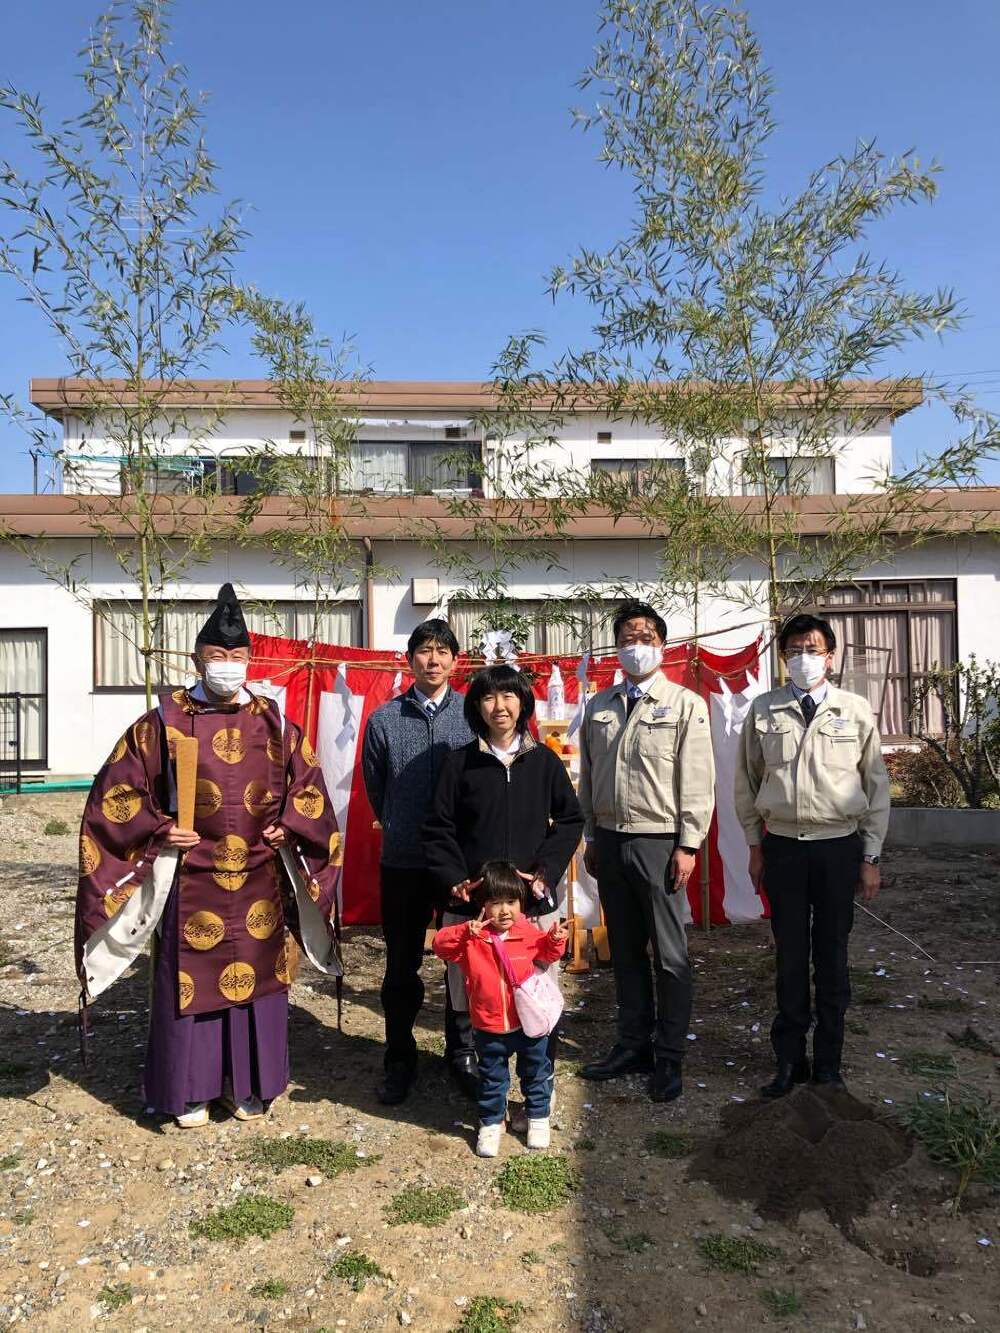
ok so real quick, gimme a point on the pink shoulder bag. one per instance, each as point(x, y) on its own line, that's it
point(537, 998)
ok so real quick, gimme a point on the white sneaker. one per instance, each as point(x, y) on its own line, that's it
point(194, 1117)
point(519, 1120)
point(539, 1135)
point(488, 1141)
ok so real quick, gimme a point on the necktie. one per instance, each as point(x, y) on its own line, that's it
point(808, 704)
point(431, 707)
point(632, 699)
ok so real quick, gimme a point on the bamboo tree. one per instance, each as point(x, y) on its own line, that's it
point(109, 236)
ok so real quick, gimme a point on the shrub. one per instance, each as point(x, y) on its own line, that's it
point(921, 777)
point(960, 1131)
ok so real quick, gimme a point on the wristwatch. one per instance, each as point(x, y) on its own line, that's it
point(870, 860)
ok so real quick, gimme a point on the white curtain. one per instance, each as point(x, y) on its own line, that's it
point(378, 467)
point(22, 671)
point(931, 646)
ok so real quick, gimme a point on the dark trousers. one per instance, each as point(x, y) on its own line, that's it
point(810, 886)
point(409, 900)
point(534, 1069)
point(633, 878)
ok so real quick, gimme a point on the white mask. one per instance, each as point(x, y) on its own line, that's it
point(224, 678)
point(806, 669)
point(639, 659)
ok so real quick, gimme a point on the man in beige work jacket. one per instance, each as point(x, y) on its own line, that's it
point(647, 790)
point(812, 794)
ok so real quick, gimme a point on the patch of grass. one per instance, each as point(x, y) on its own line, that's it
point(735, 1254)
point(57, 828)
point(942, 1004)
point(961, 1132)
point(667, 1143)
point(633, 1242)
point(782, 1302)
point(537, 1184)
point(25, 1217)
point(355, 1269)
point(9, 1161)
point(530, 1257)
point(116, 1295)
point(930, 1064)
point(325, 1155)
point(433, 1044)
point(490, 1314)
point(253, 1215)
point(859, 1029)
point(425, 1206)
point(585, 1145)
point(867, 988)
point(271, 1289)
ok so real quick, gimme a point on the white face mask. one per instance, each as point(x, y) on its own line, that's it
point(639, 659)
point(806, 669)
point(224, 678)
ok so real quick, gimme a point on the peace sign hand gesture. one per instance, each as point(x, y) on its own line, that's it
point(477, 923)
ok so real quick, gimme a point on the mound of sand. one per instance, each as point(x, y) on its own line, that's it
point(810, 1150)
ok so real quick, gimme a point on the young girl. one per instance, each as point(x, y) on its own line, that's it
point(469, 944)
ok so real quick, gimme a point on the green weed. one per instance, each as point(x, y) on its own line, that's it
point(735, 1254)
point(355, 1269)
point(942, 1004)
point(271, 1289)
point(585, 1145)
point(930, 1064)
point(633, 1242)
point(867, 988)
point(530, 1257)
point(667, 1143)
point(57, 828)
point(961, 1132)
point(324, 1155)
point(9, 1161)
point(490, 1314)
point(782, 1302)
point(116, 1295)
point(426, 1207)
point(537, 1184)
point(253, 1215)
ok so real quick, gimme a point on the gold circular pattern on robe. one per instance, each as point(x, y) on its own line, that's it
point(257, 797)
point(237, 982)
point(173, 736)
point(229, 745)
point(116, 898)
point(275, 750)
point(230, 856)
point(309, 802)
point(144, 735)
point(262, 919)
point(308, 753)
point(121, 803)
point(207, 798)
point(281, 966)
point(336, 848)
point(204, 930)
point(185, 989)
point(121, 745)
point(90, 854)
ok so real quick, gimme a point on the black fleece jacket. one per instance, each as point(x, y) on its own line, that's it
point(484, 811)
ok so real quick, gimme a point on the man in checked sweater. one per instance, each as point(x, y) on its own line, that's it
point(405, 744)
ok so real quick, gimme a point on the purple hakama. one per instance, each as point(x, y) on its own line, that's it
point(189, 1058)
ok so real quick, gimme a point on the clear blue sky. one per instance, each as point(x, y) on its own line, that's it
point(411, 172)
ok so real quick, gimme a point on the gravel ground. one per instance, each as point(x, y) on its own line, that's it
point(96, 1198)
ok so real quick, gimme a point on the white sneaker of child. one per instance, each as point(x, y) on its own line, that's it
point(194, 1116)
point(488, 1141)
point(519, 1120)
point(539, 1135)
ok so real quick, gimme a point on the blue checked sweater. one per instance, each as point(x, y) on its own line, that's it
point(401, 760)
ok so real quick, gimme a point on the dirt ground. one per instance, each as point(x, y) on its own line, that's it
point(95, 1196)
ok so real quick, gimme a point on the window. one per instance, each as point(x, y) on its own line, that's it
point(603, 437)
point(24, 671)
point(910, 627)
point(800, 475)
point(401, 468)
point(563, 628)
point(117, 631)
point(644, 474)
point(296, 437)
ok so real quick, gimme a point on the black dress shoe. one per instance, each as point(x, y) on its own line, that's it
point(828, 1078)
point(396, 1084)
point(465, 1071)
point(665, 1084)
point(785, 1079)
point(617, 1063)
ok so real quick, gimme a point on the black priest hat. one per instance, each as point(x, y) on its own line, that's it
point(225, 627)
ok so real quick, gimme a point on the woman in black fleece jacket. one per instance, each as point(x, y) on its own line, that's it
point(504, 797)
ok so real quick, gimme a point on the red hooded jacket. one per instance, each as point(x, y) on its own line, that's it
point(491, 1000)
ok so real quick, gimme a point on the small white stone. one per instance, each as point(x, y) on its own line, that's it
point(404, 1318)
point(313, 1181)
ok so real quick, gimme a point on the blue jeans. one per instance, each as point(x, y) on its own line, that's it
point(534, 1069)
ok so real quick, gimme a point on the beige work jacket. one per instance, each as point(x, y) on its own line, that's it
point(651, 773)
point(826, 780)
